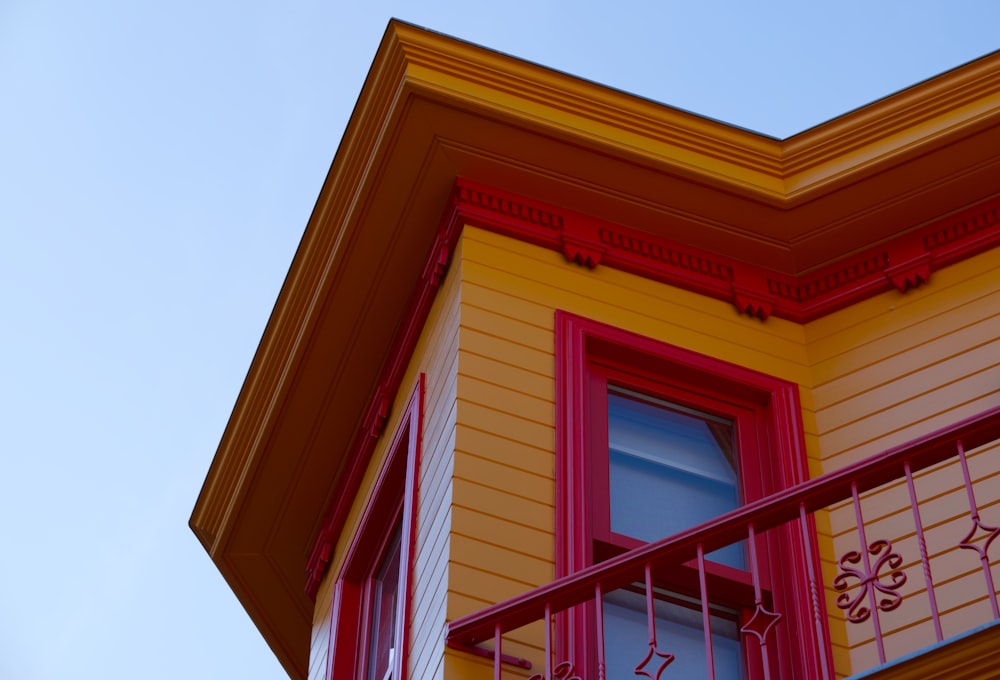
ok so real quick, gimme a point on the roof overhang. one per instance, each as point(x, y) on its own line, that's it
point(434, 109)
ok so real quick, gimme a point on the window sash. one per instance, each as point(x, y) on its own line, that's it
point(668, 469)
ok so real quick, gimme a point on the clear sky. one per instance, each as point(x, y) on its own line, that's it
point(158, 163)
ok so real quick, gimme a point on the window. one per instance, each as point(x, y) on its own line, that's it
point(384, 604)
point(665, 449)
point(651, 440)
point(369, 632)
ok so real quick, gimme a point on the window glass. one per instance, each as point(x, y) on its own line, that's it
point(385, 600)
point(670, 467)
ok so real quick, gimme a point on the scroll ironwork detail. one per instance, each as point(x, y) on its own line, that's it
point(857, 612)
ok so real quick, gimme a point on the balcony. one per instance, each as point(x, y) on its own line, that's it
point(896, 580)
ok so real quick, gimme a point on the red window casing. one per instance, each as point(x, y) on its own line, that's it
point(359, 613)
point(590, 356)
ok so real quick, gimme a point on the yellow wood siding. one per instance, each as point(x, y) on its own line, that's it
point(436, 355)
point(504, 512)
point(884, 372)
point(872, 376)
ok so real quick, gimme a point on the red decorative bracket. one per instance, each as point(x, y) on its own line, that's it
point(750, 306)
point(910, 274)
point(581, 251)
point(318, 561)
point(751, 293)
point(909, 264)
point(437, 265)
point(378, 412)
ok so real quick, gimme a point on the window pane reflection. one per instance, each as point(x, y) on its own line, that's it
point(670, 468)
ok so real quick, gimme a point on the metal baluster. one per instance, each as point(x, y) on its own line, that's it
point(976, 525)
point(497, 651)
point(706, 619)
point(873, 608)
point(650, 614)
point(922, 545)
point(563, 670)
point(652, 652)
point(762, 621)
point(548, 641)
point(599, 608)
point(813, 591)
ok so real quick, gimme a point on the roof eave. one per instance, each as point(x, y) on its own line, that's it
point(433, 109)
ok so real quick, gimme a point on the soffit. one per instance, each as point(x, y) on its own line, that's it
point(434, 109)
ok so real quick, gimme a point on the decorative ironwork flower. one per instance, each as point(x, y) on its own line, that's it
point(854, 606)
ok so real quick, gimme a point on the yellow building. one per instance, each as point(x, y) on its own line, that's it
point(572, 372)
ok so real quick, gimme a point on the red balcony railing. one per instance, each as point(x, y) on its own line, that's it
point(870, 581)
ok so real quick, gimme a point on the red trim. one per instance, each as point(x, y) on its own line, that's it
point(398, 359)
point(584, 348)
point(903, 263)
point(393, 502)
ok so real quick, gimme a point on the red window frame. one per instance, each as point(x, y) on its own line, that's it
point(589, 355)
point(605, 374)
point(391, 506)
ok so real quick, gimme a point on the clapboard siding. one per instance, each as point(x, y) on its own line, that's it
point(919, 380)
point(878, 318)
point(981, 318)
point(514, 453)
point(527, 538)
point(872, 376)
point(503, 514)
point(624, 300)
point(886, 371)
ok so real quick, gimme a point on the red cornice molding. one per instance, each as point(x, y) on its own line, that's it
point(903, 263)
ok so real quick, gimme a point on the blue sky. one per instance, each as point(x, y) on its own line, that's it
point(158, 163)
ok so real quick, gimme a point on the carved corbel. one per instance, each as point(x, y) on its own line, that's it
point(437, 263)
point(377, 414)
point(751, 295)
point(582, 251)
point(909, 265)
